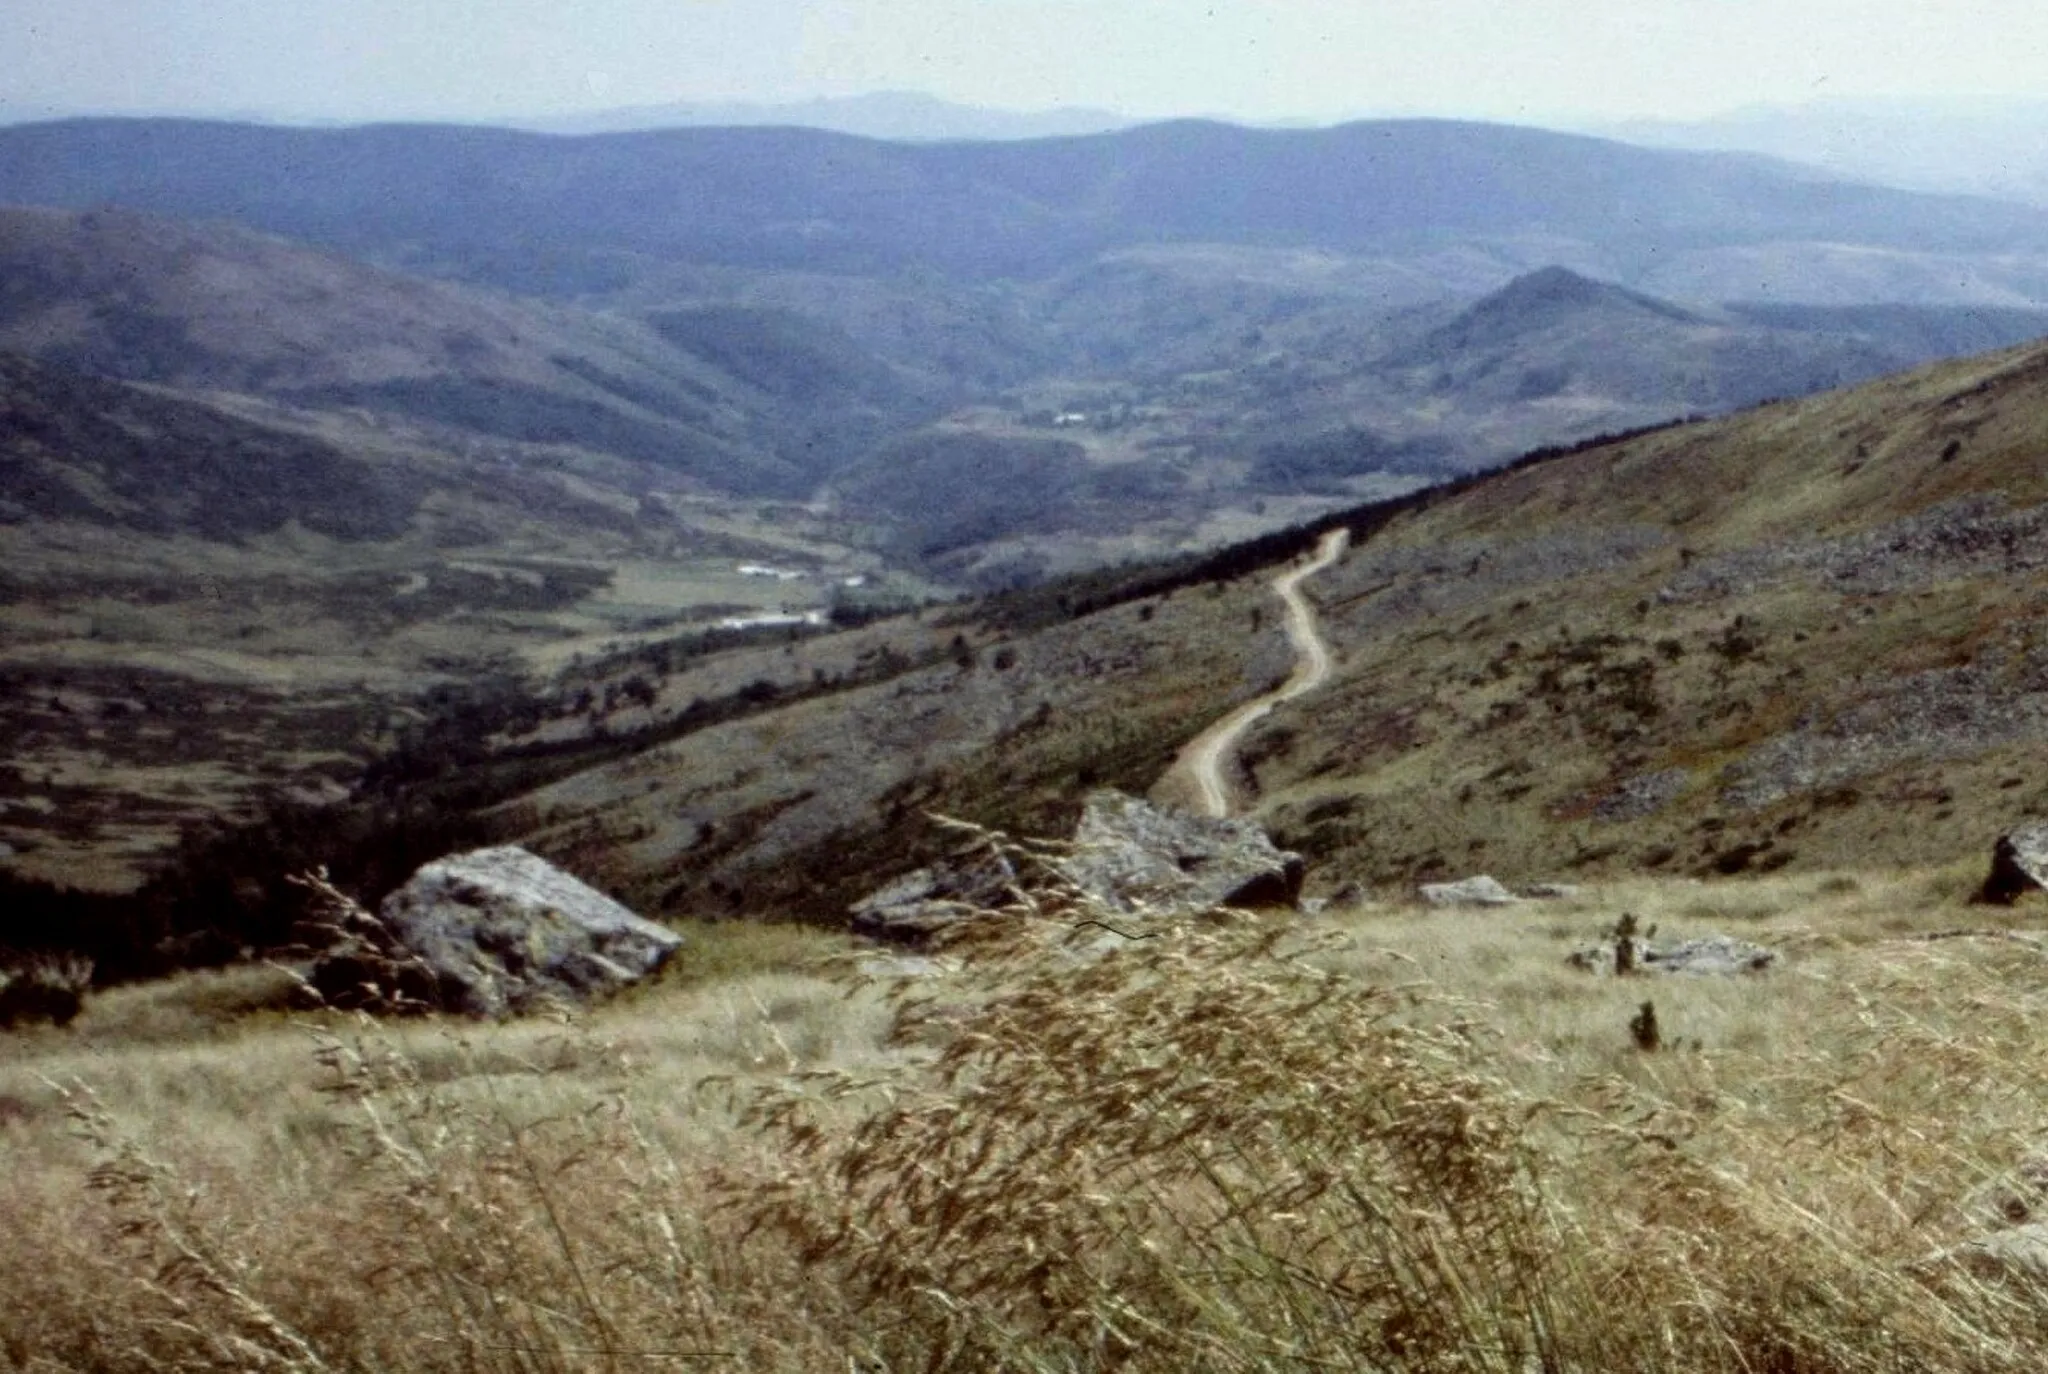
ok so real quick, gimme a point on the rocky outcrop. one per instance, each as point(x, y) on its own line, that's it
point(1999, 701)
point(1134, 857)
point(2019, 864)
point(1126, 857)
point(1479, 890)
point(1643, 795)
point(921, 904)
point(491, 933)
point(1973, 537)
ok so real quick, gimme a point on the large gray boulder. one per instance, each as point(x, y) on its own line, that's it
point(2019, 864)
point(1127, 856)
point(491, 933)
point(1137, 858)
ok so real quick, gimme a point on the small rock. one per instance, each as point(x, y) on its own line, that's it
point(1714, 954)
point(2019, 864)
point(2016, 1256)
point(902, 966)
point(2016, 1198)
point(1479, 890)
point(1551, 892)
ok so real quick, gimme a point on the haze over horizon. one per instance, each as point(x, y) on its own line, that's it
point(1545, 62)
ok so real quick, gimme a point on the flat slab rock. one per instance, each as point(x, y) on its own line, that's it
point(500, 931)
point(1480, 890)
point(1710, 955)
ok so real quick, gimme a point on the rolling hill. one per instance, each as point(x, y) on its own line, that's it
point(1801, 637)
point(1215, 380)
point(721, 397)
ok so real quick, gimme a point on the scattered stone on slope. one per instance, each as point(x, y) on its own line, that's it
point(1998, 701)
point(490, 933)
point(1643, 795)
point(1134, 857)
point(1551, 892)
point(2019, 864)
point(1709, 955)
point(1479, 890)
point(1974, 536)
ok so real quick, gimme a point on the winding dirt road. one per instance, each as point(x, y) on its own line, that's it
point(1198, 771)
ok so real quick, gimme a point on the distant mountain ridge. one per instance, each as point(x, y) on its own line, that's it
point(573, 216)
point(1986, 146)
point(904, 116)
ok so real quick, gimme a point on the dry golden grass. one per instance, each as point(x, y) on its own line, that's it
point(1390, 1139)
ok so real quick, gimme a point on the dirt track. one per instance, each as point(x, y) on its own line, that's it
point(1198, 771)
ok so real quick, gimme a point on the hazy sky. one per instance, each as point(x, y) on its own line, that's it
point(1256, 59)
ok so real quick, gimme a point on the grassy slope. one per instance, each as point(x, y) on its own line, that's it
point(793, 810)
point(1410, 1141)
